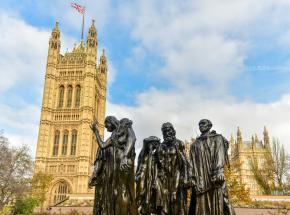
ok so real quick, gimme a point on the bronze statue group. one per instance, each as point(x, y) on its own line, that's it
point(163, 175)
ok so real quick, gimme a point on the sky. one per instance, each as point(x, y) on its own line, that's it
point(176, 61)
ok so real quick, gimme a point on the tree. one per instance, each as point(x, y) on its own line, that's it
point(25, 205)
point(15, 171)
point(263, 173)
point(280, 166)
point(40, 184)
point(235, 186)
point(272, 173)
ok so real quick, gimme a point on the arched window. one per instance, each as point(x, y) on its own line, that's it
point(61, 191)
point(61, 96)
point(64, 142)
point(74, 138)
point(56, 143)
point(78, 96)
point(69, 96)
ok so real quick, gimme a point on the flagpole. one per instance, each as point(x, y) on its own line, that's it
point(83, 25)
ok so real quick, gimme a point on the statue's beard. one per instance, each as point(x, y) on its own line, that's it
point(169, 138)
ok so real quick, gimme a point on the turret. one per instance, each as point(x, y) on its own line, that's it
point(103, 63)
point(232, 145)
point(256, 138)
point(253, 142)
point(92, 43)
point(54, 45)
point(239, 139)
point(103, 67)
point(266, 138)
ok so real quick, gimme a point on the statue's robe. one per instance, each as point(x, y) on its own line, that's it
point(145, 185)
point(114, 189)
point(207, 159)
point(102, 180)
point(172, 175)
point(124, 181)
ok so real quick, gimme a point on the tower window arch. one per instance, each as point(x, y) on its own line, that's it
point(56, 143)
point(74, 142)
point(64, 143)
point(61, 96)
point(78, 96)
point(69, 96)
point(60, 192)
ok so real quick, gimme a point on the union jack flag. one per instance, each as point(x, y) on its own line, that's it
point(78, 7)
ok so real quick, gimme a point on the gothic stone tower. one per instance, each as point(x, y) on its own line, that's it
point(74, 95)
point(241, 154)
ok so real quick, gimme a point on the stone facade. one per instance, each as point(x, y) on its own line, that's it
point(74, 95)
point(241, 152)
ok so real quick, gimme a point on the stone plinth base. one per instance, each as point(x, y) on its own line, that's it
point(70, 210)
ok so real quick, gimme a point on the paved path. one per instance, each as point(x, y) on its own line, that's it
point(252, 211)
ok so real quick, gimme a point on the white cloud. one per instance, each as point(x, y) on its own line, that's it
point(184, 109)
point(20, 124)
point(203, 40)
point(23, 50)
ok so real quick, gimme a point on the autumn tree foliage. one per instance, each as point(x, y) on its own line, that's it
point(39, 187)
point(15, 172)
point(272, 175)
point(239, 194)
point(19, 189)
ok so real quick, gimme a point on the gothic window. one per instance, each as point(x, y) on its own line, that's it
point(74, 142)
point(61, 192)
point(78, 96)
point(56, 143)
point(69, 96)
point(61, 96)
point(64, 142)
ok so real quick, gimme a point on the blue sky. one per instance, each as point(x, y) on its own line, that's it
point(168, 61)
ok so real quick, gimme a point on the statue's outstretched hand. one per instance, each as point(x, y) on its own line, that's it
point(93, 126)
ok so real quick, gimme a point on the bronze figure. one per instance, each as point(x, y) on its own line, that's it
point(208, 156)
point(113, 173)
point(172, 173)
point(146, 176)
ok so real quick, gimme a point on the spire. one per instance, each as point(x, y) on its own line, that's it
point(239, 138)
point(103, 58)
point(55, 34)
point(232, 140)
point(103, 62)
point(266, 138)
point(92, 36)
point(253, 142)
point(54, 44)
point(256, 138)
point(232, 145)
point(92, 27)
point(239, 134)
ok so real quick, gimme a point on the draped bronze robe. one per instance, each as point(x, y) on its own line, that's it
point(103, 177)
point(207, 159)
point(145, 191)
point(172, 175)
